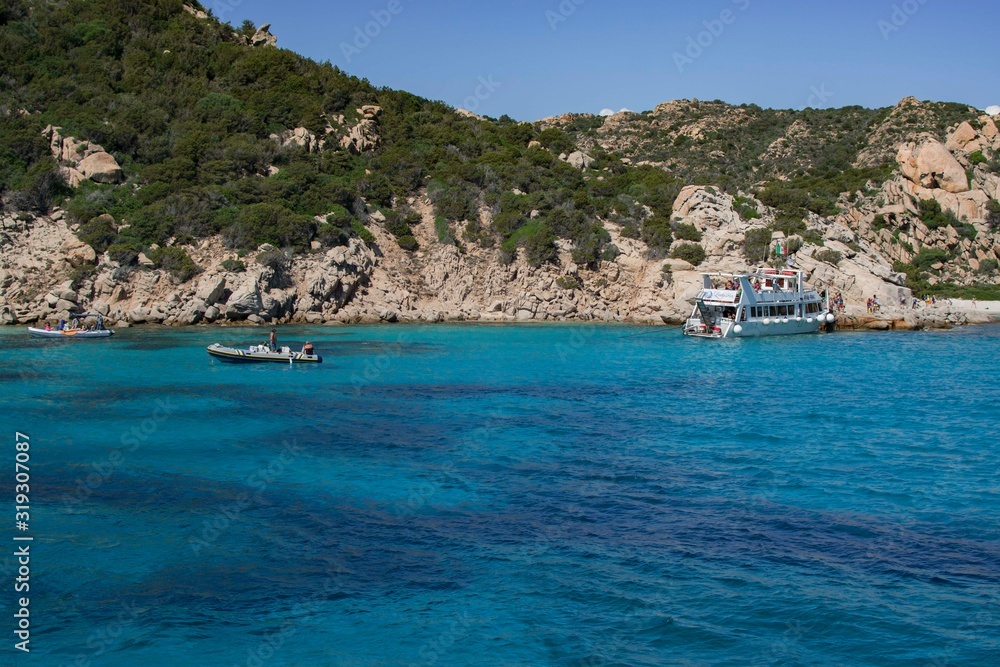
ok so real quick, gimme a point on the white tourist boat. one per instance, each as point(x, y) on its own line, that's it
point(766, 302)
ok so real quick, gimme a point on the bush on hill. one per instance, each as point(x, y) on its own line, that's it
point(692, 253)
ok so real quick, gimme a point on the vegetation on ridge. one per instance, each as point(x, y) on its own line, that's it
point(188, 110)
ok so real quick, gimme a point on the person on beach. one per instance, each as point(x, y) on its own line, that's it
point(274, 341)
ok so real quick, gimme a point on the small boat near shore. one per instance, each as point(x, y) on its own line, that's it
point(74, 331)
point(260, 354)
point(765, 302)
point(67, 334)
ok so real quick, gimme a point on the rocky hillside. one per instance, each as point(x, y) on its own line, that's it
point(162, 167)
point(744, 146)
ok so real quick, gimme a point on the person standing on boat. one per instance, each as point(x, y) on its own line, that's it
point(274, 341)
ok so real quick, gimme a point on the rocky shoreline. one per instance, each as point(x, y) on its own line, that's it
point(440, 282)
point(47, 273)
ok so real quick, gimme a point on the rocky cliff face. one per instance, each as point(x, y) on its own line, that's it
point(46, 272)
point(890, 220)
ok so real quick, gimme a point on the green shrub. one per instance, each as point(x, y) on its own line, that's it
point(362, 232)
point(829, 256)
point(273, 259)
point(556, 141)
point(667, 271)
point(790, 226)
point(686, 232)
point(569, 282)
point(274, 224)
point(611, 253)
point(99, 233)
point(657, 232)
point(915, 281)
point(931, 215)
point(814, 237)
point(39, 187)
point(692, 253)
point(745, 208)
point(880, 223)
point(82, 272)
point(176, 262)
point(977, 157)
point(757, 244)
point(338, 229)
point(928, 257)
point(398, 224)
point(538, 241)
point(234, 266)
point(988, 266)
point(408, 242)
point(966, 230)
point(443, 230)
point(630, 230)
point(333, 235)
point(125, 252)
point(993, 215)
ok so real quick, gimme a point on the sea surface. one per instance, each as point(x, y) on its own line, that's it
point(505, 495)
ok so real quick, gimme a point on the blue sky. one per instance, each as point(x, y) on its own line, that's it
point(535, 58)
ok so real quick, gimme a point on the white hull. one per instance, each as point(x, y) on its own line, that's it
point(260, 354)
point(69, 334)
point(783, 327)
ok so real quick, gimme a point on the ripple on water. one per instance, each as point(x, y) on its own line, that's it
point(506, 495)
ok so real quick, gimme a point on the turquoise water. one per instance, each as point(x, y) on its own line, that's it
point(558, 495)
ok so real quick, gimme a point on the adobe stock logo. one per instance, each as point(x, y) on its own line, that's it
point(364, 35)
point(565, 9)
point(701, 42)
point(901, 15)
point(484, 91)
